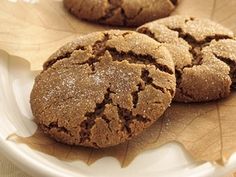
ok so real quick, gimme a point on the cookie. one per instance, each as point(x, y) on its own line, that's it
point(103, 88)
point(204, 54)
point(120, 12)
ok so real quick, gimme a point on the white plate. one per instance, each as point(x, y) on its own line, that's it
point(16, 81)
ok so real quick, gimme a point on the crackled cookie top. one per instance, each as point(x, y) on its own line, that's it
point(120, 12)
point(204, 53)
point(103, 88)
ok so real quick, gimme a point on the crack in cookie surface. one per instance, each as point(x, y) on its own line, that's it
point(54, 126)
point(49, 63)
point(114, 6)
point(135, 94)
point(149, 80)
point(174, 2)
point(128, 118)
point(100, 47)
point(132, 57)
point(89, 122)
point(197, 46)
point(178, 75)
point(232, 64)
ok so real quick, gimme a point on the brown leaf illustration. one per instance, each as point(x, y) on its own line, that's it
point(43, 29)
point(223, 12)
point(206, 130)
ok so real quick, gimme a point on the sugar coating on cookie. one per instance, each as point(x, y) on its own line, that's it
point(120, 12)
point(204, 53)
point(103, 88)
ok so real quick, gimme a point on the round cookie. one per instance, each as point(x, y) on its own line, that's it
point(204, 54)
point(120, 12)
point(103, 88)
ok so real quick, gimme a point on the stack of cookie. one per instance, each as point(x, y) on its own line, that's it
point(106, 87)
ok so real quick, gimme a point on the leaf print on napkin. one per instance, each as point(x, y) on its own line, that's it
point(207, 131)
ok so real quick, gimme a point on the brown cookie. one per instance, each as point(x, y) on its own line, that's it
point(204, 53)
point(103, 88)
point(120, 12)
